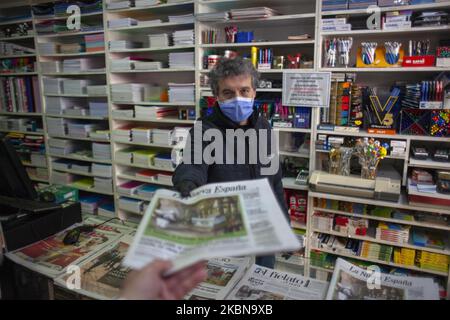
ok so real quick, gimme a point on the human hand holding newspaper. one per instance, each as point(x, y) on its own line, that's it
point(225, 219)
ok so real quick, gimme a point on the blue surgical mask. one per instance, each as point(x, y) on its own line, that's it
point(237, 109)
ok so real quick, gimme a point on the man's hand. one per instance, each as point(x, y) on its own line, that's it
point(149, 283)
point(185, 188)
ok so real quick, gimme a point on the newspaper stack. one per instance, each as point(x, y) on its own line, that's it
point(61, 164)
point(185, 18)
point(212, 16)
point(123, 64)
point(89, 204)
point(56, 126)
point(100, 134)
point(179, 60)
point(129, 187)
point(183, 37)
point(81, 167)
point(141, 135)
point(148, 65)
point(102, 170)
point(123, 44)
point(122, 113)
point(122, 23)
point(154, 112)
point(158, 40)
point(55, 105)
point(131, 205)
point(98, 109)
point(103, 184)
point(81, 129)
point(106, 209)
point(76, 111)
point(61, 147)
point(53, 85)
point(71, 47)
point(101, 151)
point(149, 23)
point(181, 92)
point(252, 13)
point(163, 161)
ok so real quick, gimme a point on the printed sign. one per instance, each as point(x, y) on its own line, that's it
point(306, 89)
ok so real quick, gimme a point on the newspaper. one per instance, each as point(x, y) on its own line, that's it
point(223, 274)
point(218, 220)
point(350, 282)
point(51, 256)
point(102, 274)
point(261, 283)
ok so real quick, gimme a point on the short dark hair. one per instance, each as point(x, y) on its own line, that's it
point(237, 66)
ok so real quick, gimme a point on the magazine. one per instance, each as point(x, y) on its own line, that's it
point(218, 220)
point(51, 256)
point(350, 282)
point(223, 274)
point(260, 283)
point(103, 273)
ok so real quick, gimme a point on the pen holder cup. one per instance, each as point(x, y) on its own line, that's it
point(244, 36)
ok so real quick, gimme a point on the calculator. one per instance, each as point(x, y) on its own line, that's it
point(302, 177)
point(420, 153)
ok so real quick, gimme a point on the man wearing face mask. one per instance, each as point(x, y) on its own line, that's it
point(234, 83)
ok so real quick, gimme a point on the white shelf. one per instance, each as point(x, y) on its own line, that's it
point(72, 95)
point(134, 196)
point(76, 117)
point(384, 242)
point(23, 55)
point(74, 54)
point(385, 9)
point(274, 20)
point(150, 27)
point(391, 264)
point(155, 103)
point(152, 8)
point(31, 133)
point(80, 173)
point(301, 130)
point(294, 154)
point(93, 190)
point(83, 15)
point(137, 50)
point(155, 71)
point(69, 34)
point(401, 204)
point(269, 70)
point(10, 74)
point(17, 38)
point(4, 23)
point(430, 164)
point(131, 177)
point(155, 120)
point(385, 136)
point(289, 183)
point(258, 44)
point(80, 73)
point(86, 159)
point(150, 145)
point(380, 70)
point(370, 217)
point(443, 29)
point(24, 114)
point(79, 138)
point(133, 165)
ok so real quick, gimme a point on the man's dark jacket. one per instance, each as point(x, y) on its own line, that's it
point(201, 174)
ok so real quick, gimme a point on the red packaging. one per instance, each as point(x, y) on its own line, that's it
point(419, 61)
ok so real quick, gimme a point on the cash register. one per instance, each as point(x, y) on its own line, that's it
point(25, 216)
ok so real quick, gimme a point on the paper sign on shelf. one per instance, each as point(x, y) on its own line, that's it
point(306, 89)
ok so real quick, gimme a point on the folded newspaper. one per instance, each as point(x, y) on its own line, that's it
point(227, 219)
point(350, 282)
